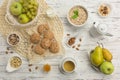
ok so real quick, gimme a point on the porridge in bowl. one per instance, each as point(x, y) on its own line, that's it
point(77, 15)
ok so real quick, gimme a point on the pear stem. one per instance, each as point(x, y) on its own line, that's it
point(102, 45)
point(98, 43)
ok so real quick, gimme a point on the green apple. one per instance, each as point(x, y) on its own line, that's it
point(23, 18)
point(107, 67)
point(21, 1)
point(16, 8)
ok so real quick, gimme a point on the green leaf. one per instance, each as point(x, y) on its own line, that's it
point(76, 12)
point(74, 16)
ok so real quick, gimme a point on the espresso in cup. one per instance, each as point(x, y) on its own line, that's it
point(69, 66)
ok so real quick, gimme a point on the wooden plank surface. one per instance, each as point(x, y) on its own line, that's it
point(84, 70)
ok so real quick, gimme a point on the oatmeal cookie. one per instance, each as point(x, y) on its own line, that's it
point(35, 38)
point(43, 27)
point(45, 43)
point(54, 47)
point(39, 50)
point(48, 34)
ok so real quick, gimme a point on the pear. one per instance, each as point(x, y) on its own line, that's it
point(106, 54)
point(96, 57)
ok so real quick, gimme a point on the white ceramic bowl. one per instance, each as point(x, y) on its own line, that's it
point(9, 36)
point(107, 4)
point(61, 66)
point(76, 24)
point(10, 19)
point(9, 68)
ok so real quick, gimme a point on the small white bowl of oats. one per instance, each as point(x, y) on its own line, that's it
point(77, 16)
point(14, 63)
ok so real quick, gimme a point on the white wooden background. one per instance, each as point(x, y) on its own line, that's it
point(84, 70)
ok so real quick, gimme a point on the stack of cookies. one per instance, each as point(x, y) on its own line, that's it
point(44, 40)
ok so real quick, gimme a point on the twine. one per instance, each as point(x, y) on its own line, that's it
point(24, 47)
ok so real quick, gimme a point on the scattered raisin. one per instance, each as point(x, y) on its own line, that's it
point(6, 52)
point(32, 46)
point(30, 70)
point(77, 49)
point(29, 64)
point(36, 67)
point(78, 45)
point(68, 34)
point(73, 47)
point(80, 39)
point(8, 48)
point(11, 52)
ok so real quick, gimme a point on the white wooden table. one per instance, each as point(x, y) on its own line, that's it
point(84, 70)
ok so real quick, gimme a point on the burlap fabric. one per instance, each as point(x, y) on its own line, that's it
point(24, 47)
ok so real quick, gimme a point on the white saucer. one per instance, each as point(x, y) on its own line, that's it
point(61, 69)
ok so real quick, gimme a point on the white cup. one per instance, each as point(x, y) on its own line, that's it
point(71, 62)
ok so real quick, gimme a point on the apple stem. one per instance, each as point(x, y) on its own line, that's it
point(109, 69)
point(16, 6)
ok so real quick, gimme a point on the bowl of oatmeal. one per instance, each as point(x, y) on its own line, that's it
point(77, 16)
